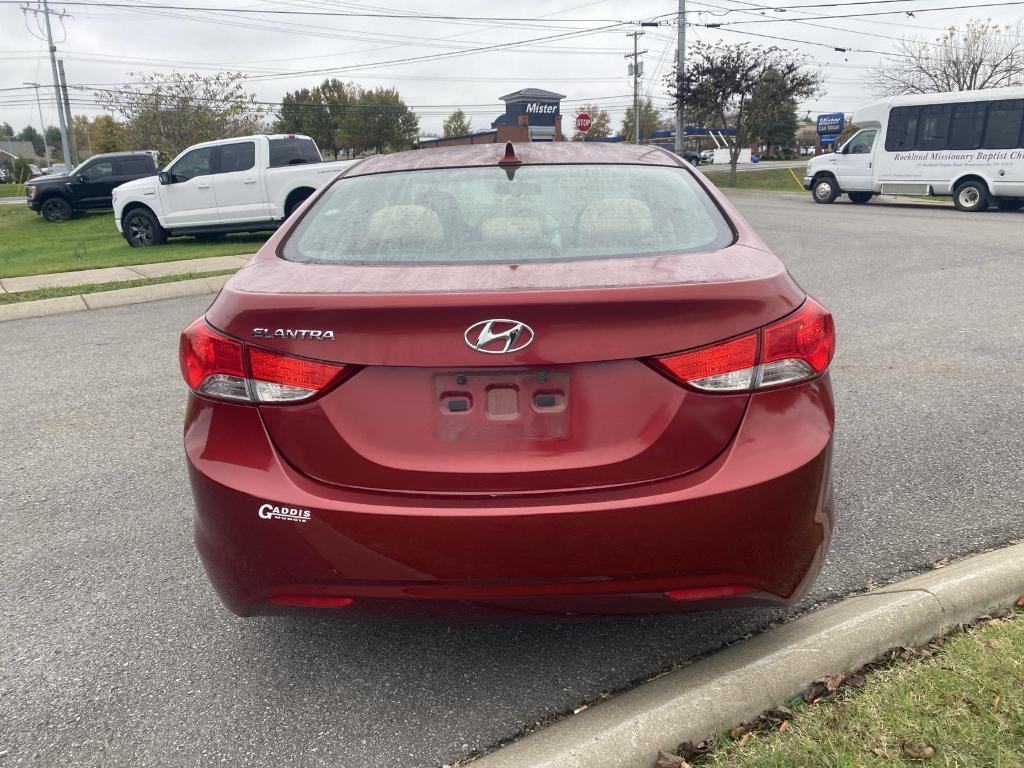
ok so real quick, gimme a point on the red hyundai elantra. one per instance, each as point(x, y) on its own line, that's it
point(555, 378)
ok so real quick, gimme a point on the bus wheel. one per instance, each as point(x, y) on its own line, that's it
point(1009, 203)
point(825, 189)
point(860, 197)
point(971, 196)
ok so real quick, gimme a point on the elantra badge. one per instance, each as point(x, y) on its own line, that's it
point(499, 336)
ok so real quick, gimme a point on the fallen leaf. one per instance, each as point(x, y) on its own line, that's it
point(745, 738)
point(1020, 602)
point(784, 727)
point(665, 760)
point(926, 752)
point(995, 702)
point(815, 691)
point(879, 752)
point(855, 681)
point(739, 730)
point(690, 751)
point(832, 682)
point(784, 712)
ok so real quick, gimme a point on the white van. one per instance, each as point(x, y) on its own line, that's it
point(967, 144)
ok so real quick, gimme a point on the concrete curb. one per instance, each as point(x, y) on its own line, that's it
point(740, 682)
point(115, 298)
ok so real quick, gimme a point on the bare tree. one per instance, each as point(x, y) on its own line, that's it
point(977, 55)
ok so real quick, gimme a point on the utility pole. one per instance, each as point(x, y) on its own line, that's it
point(42, 123)
point(680, 64)
point(56, 82)
point(73, 145)
point(636, 69)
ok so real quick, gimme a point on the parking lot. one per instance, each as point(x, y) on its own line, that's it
point(114, 650)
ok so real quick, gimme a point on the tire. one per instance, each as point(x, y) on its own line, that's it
point(294, 202)
point(141, 229)
point(1010, 203)
point(824, 190)
point(971, 196)
point(56, 210)
point(860, 197)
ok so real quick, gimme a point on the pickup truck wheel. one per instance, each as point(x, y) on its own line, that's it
point(971, 196)
point(141, 229)
point(824, 189)
point(56, 209)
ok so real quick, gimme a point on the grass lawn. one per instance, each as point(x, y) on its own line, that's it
point(957, 702)
point(75, 290)
point(12, 190)
point(775, 179)
point(31, 246)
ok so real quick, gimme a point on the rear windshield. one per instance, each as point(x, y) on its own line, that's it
point(480, 216)
point(293, 152)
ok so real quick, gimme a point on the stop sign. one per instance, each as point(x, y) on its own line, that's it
point(583, 122)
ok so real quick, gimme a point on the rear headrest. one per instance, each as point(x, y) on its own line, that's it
point(404, 226)
point(510, 229)
point(615, 220)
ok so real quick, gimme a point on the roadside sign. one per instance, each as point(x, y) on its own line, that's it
point(583, 122)
point(828, 139)
point(833, 122)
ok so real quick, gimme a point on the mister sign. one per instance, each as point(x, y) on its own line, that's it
point(833, 122)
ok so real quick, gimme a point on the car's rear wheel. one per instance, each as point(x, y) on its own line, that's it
point(56, 209)
point(971, 196)
point(142, 229)
point(860, 197)
point(1010, 203)
point(825, 189)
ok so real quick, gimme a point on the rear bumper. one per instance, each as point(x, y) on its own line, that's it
point(752, 527)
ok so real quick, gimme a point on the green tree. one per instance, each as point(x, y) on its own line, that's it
point(28, 133)
point(772, 121)
point(650, 121)
point(324, 113)
point(54, 143)
point(108, 135)
point(456, 124)
point(721, 81)
point(600, 122)
point(385, 123)
point(6, 132)
point(170, 112)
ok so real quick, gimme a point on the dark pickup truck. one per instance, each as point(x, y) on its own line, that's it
point(89, 186)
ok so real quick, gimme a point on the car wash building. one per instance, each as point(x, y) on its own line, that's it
point(531, 114)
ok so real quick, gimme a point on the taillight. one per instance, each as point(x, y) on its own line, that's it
point(796, 348)
point(213, 365)
point(728, 366)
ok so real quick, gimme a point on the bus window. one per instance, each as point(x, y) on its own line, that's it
point(860, 144)
point(968, 125)
point(1002, 130)
point(902, 129)
point(933, 127)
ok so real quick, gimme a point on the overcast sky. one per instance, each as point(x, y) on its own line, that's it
point(104, 45)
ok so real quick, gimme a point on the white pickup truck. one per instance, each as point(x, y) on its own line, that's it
point(248, 184)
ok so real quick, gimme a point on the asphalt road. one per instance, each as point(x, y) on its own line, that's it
point(115, 652)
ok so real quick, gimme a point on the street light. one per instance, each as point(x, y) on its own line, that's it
point(42, 125)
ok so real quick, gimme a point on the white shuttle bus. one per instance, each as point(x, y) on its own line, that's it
point(967, 144)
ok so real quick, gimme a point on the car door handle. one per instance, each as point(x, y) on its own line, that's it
point(203, 186)
point(249, 181)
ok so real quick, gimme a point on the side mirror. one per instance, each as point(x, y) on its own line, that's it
point(82, 178)
point(165, 177)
